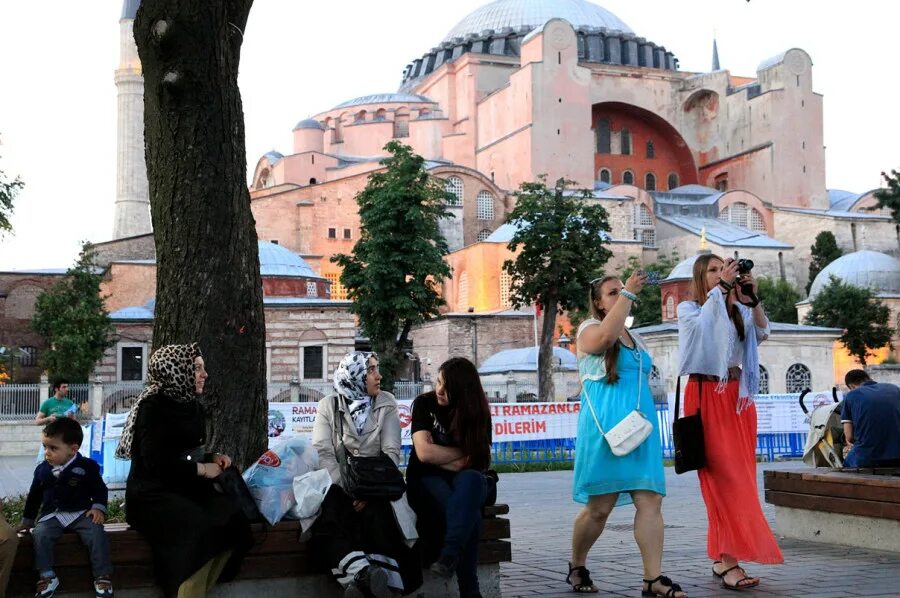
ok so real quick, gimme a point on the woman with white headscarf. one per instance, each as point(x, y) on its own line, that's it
point(360, 541)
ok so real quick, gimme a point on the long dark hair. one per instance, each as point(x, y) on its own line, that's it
point(470, 422)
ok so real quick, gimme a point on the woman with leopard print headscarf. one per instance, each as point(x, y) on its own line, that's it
point(196, 534)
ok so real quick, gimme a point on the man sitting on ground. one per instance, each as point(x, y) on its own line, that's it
point(871, 418)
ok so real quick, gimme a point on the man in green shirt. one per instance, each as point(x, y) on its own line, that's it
point(56, 406)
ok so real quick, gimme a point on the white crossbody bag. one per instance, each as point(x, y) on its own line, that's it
point(629, 433)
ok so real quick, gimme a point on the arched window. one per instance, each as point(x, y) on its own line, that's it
point(380, 115)
point(757, 224)
point(644, 231)
point(313, 181)
point(673, 181)
point(628, 177)
point(798, 378)
point(401, 123)
point(484, 234)
point(650, 182)
point(462, 293)
point(454, 186)
point(651, 151)
point(505, 288)
point(626, 142)
point(360, 117)
point(604, 139)
point(485, 206)
point(763, 380)
point(338, 132)
point(605, 175)
point(721, 182)
point(737, 214)
point(670, 307)
point(424, 113)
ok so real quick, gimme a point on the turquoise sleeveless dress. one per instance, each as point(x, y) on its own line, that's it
point(597, 470)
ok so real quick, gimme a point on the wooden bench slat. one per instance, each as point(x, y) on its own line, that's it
point(817, 487)
point(828, 504)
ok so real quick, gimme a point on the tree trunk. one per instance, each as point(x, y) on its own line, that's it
point(208, 283)
point(546, 361)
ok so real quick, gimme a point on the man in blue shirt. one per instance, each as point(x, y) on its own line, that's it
point(871, 418)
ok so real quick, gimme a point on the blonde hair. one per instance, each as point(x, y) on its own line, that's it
point(700, 288)
point(611, 357)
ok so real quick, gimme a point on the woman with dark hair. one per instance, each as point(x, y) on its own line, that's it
point(451, 434)
point(718, 333)
point(196, 534)
point(614, 366)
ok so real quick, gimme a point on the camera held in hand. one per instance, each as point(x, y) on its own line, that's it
point(744, 266)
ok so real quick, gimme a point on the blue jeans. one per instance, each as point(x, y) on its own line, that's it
point(460, 498)
point(46, 533)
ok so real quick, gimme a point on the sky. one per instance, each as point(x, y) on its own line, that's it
point(301, 57)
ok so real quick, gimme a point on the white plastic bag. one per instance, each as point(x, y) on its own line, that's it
point(271, 478)
point(309, 492)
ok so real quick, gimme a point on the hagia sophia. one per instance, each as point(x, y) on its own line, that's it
point(515, 90)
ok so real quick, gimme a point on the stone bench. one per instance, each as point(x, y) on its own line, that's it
point(277, 563)
point(853, 507)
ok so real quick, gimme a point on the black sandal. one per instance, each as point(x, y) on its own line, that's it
point(586, 586)
point(716, 573)
point(737, 586)
point(674, 588)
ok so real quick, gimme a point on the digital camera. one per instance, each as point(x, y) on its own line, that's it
point(744, 266)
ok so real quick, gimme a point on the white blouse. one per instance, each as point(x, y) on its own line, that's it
point(709, 344)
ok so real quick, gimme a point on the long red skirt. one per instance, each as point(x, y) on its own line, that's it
point(737, 526)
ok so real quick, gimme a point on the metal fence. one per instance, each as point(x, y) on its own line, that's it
point(19, 401)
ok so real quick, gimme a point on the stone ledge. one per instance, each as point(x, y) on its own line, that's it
point(837, 528)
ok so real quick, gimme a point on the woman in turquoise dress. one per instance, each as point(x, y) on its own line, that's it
point(614, 366)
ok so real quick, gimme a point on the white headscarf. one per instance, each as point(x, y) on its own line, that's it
point(350, 383)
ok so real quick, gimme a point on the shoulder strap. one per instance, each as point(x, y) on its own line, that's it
point(677, 398)
point(339, 416)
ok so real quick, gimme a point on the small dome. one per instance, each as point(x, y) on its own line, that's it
point(385, 98)
point(684, 270)
point(275, 260)
point(274, 156)
point(525, 360)
point(866, 269)
point(309, 123)
point(518, 14)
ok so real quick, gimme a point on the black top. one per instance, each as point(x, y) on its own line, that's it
point(428, 415)
point(79, 487)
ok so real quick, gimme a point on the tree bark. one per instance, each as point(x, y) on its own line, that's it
point(208, 282)
point(546, 388)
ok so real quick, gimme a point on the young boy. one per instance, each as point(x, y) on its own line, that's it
point(72, 496)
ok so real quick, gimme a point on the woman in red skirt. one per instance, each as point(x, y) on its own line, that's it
point(718, 334)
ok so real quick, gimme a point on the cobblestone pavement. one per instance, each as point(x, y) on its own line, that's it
point(542, 511)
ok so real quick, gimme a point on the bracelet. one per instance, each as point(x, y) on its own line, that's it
point(727, 285)
point(628, 294)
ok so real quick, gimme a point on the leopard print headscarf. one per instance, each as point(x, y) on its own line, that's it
point(171, 373)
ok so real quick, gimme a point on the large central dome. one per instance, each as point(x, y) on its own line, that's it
point(533, 13)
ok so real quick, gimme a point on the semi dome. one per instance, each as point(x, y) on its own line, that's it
point(516, 14)
point(385, 98)
point(309, 123)
point(866, 269)
point(275, 260)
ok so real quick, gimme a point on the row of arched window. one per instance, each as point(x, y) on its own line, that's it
point(605, 175)
point(619, 142)
point(401, 121)
point(453, 185)
point(743, 215)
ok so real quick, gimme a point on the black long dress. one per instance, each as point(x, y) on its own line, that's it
point(182, 516)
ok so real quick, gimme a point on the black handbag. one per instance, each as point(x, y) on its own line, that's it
point(229, 483)
point(687, 435)
point(367, 478)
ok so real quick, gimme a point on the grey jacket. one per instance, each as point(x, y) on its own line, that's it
point(380, 434)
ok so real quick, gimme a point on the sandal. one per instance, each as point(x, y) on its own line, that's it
point(586, 584)
point(737, 585)
point(674, 588)
point(716, 573)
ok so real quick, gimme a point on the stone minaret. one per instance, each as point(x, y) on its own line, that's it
point(132, 191)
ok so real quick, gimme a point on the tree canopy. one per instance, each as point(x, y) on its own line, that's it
point(858, 312)
point(889, 196)
point(780, 299)
point(73, 321)
point(396, 267)
point(823, 251)
point(9, 188)
point(560, 245)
